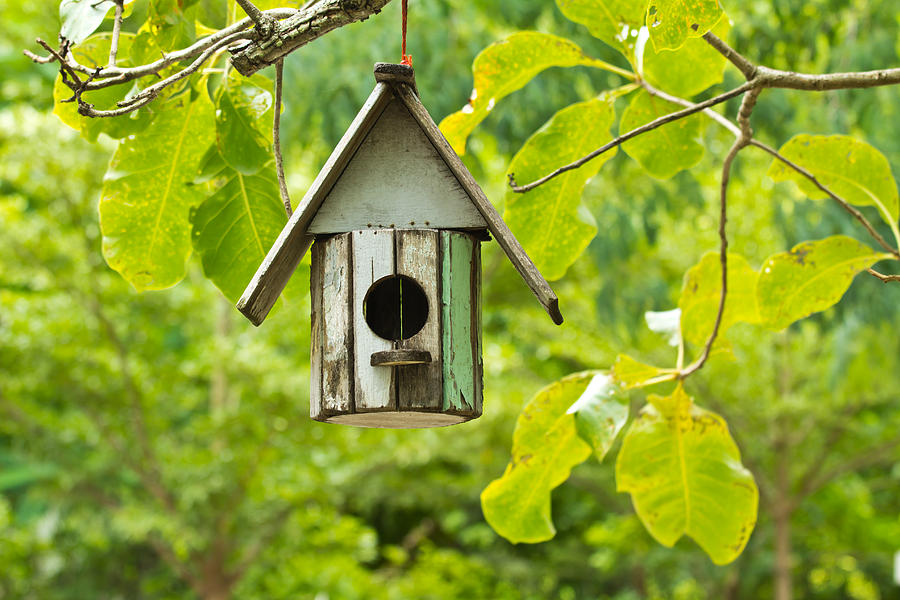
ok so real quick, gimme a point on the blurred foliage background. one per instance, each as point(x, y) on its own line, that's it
point(158, 446)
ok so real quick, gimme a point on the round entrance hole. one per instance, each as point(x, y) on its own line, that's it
point(396, 308)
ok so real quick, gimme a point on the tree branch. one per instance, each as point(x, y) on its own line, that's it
point(276, 138)
point(844, 204)
point(117, 30)
point(884, 278)
point(300, 29)
point(665, 119)
point(870, 457)
point(265, 25)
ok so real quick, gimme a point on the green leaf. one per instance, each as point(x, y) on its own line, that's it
point(616, 22)
point(147, 195)
point(665, 150)
point(672, 22)
point(684, 473)
point(811, 277)
point(545, 448)
point(689, 70)
point(94, 52)
point(700, 294)
point(850, 168)
point(550, 221)
point(600, 414)
point(631, 374)
point(506, 66)
point(81, 18)
point(243, 125)
point(170, 25)
point(235, 227)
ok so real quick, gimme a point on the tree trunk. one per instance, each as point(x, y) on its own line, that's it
point(782, 520)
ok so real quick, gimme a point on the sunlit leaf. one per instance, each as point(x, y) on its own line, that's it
point(504, 67)
point(630, 373)
point(546, 446)
point(852, 169)
point(688, 70)
point(665, 150)
point(811, 277)
point(147, 196)
point(600, 413)
point(81, 18)
point(666, 323)
point(701, 292)
point(550, 221)
point(234, 228)
point(616, 22)
point(672, 22)
point(684, 473)
point(243, 125)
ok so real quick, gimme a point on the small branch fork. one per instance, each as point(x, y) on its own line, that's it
point(277, 32)
point(758, 78)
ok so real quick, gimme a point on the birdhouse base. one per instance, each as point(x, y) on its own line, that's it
point(406, 419)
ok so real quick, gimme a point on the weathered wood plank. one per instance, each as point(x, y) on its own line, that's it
point(373, 259)
point(495, 223)
point(315, 319)
point(456, 306)
point(396, 180)
point(420, 386)
point(476, 326)
point(294, 240)
point(337, 331)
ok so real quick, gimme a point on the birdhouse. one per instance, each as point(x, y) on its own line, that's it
point(395, 222)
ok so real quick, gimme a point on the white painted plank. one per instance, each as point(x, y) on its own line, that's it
point(417, 258)
point(373, 259)
point(396, 180)
point(337, 292)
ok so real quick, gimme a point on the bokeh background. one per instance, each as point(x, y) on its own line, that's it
point(156, 445)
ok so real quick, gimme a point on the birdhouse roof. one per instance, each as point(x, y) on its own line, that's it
point(395, 88)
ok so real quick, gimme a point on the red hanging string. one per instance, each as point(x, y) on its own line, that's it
point(405, 58)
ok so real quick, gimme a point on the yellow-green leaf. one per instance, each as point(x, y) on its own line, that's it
point(234, 228)
point(688, 70)
point(684, 473)
point(672, 22)
point(811, 277)
point(616, 22)
point(243, 124)
point(600, 413)
point(852, 169)
point(551, 221)
point(546, 446)
point(665, 150)
point(631, 374)
point(147, 194)
point(506, 66)
point(701, 292)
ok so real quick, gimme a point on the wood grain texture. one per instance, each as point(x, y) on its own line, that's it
point(337, 331)
point(294, 240)
point(396, 180)
point(373, 259)
point(495, 223)
point(456, 307)
point(421, 386)
point(476, 326)
point(396, 358)
point(315, 320)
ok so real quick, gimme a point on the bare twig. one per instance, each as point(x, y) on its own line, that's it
point(665, 119)
point(744, 66)
point(265, 25)
point(844, 204)
point(276, 137)
point(709, 112)
point(117, 29)
point(884, 278)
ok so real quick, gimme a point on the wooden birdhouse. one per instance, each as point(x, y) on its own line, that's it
point(395, 221)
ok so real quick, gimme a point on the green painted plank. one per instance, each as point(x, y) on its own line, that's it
point(456, 306)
